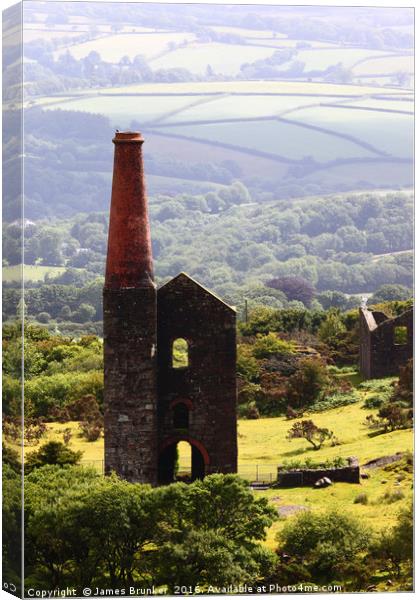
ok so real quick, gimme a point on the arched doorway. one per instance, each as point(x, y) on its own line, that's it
point(182, 460)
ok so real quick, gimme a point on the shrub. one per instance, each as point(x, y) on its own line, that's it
point(334, 401)
point(326, 544)
point(306, 385)
point(395, 546)
point(391, 496)
point(269, 345)
point(91, 430)
point(361, 499)
point(67, 435)
point(11, 457)
point(52, 453)
point(34, 429)
point(315, 435)
point(331, 327)
point(247, 365)
point(43, 317)
point(252, 411)
point(395, 417)
point(293, 414)
point(378, 385)
point(310, 463)
point(375, 401)
point(84, 408)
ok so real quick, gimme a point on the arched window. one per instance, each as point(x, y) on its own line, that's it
point(180, 353)
point(181, 416)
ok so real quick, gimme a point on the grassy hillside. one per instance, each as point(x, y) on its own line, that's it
point(263, 442)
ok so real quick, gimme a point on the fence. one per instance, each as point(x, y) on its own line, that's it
point(253, 472)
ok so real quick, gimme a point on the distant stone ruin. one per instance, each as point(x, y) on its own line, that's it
point(385, 344)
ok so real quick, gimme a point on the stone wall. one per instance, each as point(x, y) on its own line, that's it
point(308, 477)
point(380, 354)
point(207, 386)
point(130, 386)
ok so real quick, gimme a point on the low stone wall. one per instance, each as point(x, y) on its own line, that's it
point(308, 477)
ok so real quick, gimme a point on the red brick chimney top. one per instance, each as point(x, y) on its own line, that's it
point(128, 136)
point(129, 259)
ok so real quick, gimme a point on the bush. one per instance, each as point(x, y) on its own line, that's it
point(306, 385)
point(269, 345)
point(11, 457)
point(43, 317)
point(378, 385)
point(329, 545)
point(310, 463)
point(52, 453)
point(252, 411)
point(247, 365)
point(392, 496)
point(83, 408)
point(91, 430)
point(395, 417)
point(331, 327)
point(375, 401)
point(395, 547)
point(307, 430)
point(361, 499)
point(67, 435)
point(334, 401)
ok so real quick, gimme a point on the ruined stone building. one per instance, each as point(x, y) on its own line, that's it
point(385, 344)
point(151, 401)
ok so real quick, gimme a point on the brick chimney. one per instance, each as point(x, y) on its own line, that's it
point(130, 323)
point(129, 260)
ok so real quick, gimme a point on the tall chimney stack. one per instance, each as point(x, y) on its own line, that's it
point(129, 260)
point(130, 323)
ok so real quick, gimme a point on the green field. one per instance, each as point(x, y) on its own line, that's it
point(31, 272)
point(225, 59)
point(320, 59)
point(123, 109)
point(113, 47)
point(283, 139)
point(243, 106)
point(386, 65)
point(253, 86)
point(388, 132)
point(249, 33)
point(379, 103)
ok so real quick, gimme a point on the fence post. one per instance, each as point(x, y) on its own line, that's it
point(256, 466)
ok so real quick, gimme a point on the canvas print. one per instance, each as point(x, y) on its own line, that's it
point(207, 299)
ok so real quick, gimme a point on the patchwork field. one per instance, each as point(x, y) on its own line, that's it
point(113, 47)
point(320, 59)
point(382, 65)
point(286, 140)
point(273, 122)
point(225, 59)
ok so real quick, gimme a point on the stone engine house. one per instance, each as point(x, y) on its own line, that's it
point(151, 401)
point(385, 344)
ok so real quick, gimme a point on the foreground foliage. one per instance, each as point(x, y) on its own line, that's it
point(85, 530)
